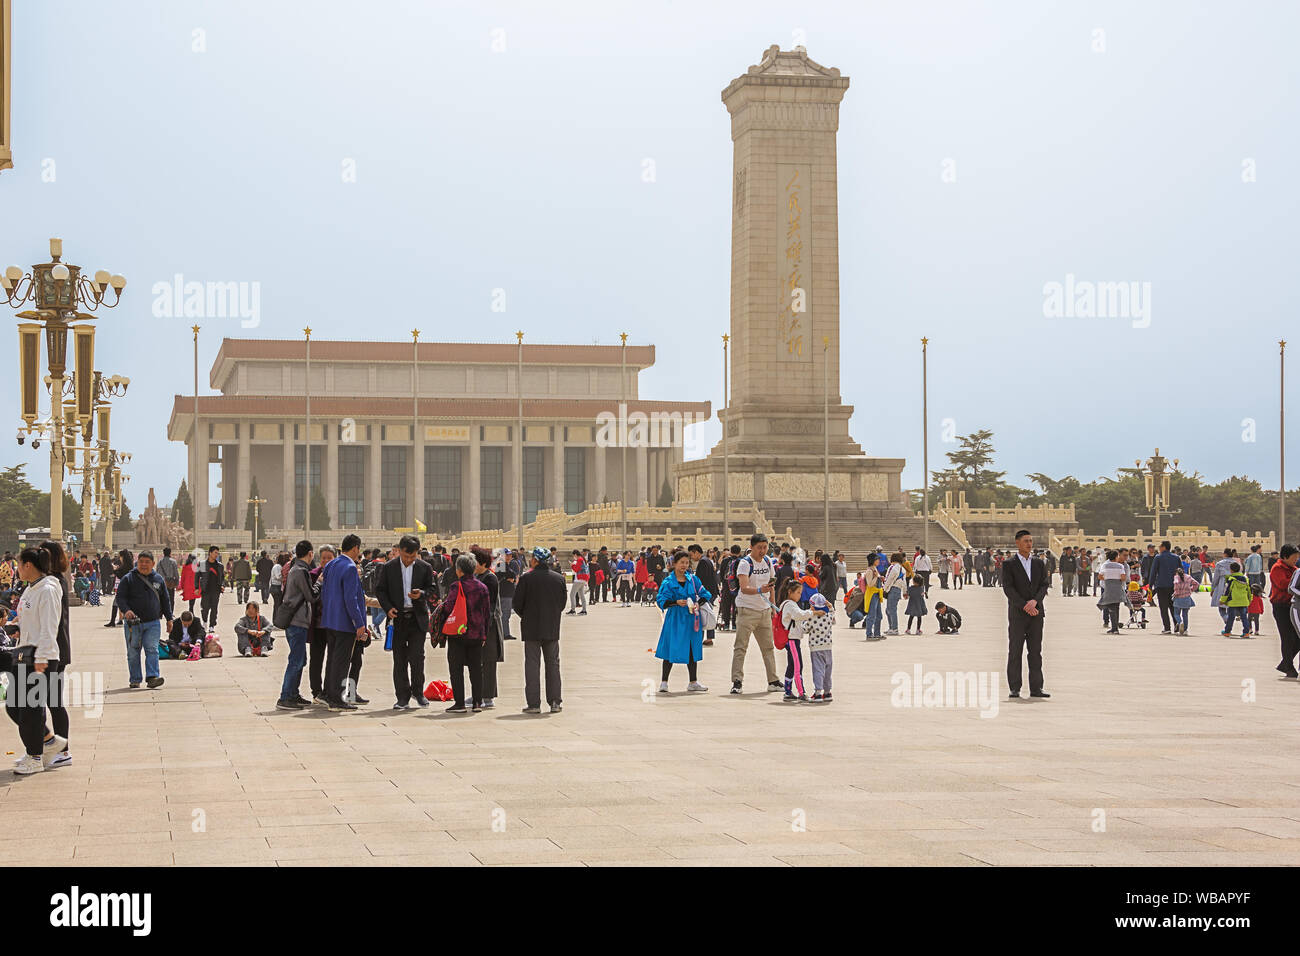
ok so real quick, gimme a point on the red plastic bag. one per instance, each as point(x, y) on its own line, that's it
point(457, 621)
point(438, 690)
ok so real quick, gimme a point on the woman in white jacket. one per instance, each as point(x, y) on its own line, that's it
point(40, 610)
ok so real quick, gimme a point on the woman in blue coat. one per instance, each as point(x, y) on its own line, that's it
point(681, 641)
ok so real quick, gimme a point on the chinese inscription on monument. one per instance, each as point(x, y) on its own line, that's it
point(793, 248)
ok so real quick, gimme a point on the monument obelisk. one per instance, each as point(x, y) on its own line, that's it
point(785, 302)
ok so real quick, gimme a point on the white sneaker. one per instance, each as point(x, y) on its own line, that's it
point(53, 747)
point(663, 687)
point(61, 758)
point(696, 686)
point(28, 765)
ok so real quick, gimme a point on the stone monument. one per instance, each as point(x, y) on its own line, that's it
point(155, 529)
point(785, 303)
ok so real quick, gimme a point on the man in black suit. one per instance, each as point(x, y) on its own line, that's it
point(1025, 582)
point(403, 589)
point(539, 601)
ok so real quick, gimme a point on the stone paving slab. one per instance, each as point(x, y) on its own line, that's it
point(1154, 750)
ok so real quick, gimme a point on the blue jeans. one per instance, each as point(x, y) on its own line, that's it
point(873, 617)
point(1180, 616)
point(142, 634)
point(855, 616)
point(292, 686)
point(1231, 614)
point(891, 608)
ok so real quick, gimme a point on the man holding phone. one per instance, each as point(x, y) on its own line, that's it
point(403, 589)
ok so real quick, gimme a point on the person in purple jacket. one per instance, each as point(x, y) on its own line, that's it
point(464, 648)
point(343, 616)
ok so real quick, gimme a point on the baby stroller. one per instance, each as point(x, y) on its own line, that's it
point(1137, 608)
point(649, 594)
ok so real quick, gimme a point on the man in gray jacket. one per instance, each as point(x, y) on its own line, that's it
point(294, 615)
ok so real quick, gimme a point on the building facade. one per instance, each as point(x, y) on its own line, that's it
point(394, 433)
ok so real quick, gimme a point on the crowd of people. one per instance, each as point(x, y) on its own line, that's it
point(329, 606)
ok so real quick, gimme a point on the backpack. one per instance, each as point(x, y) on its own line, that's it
point(729, 575)
point(780, 633)
point(371, 578)
point(196, 653)
point(1232, 582)
point(457, 621)
point(211, 646)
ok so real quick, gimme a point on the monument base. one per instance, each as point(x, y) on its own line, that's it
point(868, 506)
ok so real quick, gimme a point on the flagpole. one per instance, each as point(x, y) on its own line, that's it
point(925, 445)
point(622, 504)
point(306, 455)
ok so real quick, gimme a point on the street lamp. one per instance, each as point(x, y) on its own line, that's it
point(61, 296)
point(257, 515)
point(1155, 481)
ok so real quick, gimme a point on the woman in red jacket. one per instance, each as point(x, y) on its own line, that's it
point(189, 589)
point(641, 575)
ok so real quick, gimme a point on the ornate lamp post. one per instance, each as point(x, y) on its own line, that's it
point(59, 294)
point(257, 519)
point(110, 506)
point(1155, 480)
point(93, 457)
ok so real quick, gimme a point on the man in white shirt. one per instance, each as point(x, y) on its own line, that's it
point(754, 573)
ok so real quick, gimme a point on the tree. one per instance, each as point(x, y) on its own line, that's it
point(24, 506)
point(665, 496)
point(971, 471)
point(183, 506)
point(320, 512)
point(124, 522)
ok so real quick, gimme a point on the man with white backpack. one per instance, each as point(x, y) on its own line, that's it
point(754, 573)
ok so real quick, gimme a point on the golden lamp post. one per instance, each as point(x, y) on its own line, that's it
point(1155, 482)
point(63, 300)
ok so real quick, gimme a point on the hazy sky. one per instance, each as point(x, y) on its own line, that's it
point(522, 169)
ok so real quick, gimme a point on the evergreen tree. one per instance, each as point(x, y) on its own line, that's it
point(123, 522)
point(320, 513)
point(183, 507)
point(665, 495)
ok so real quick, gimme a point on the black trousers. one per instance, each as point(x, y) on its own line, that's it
point(408, 657)
point(29, 694)
point(535, 652)
point(1166, 598)
point(625, 591)
point(358, 657)
point(1285, 629)
point(208, 610)
point(462, 654)
point(1024, 633)
point(341, 646)
point(316, 645)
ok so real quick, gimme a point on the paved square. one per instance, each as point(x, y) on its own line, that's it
point(1152, 731)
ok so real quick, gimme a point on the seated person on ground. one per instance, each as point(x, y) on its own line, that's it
point(186, 633)
point(253, 632)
